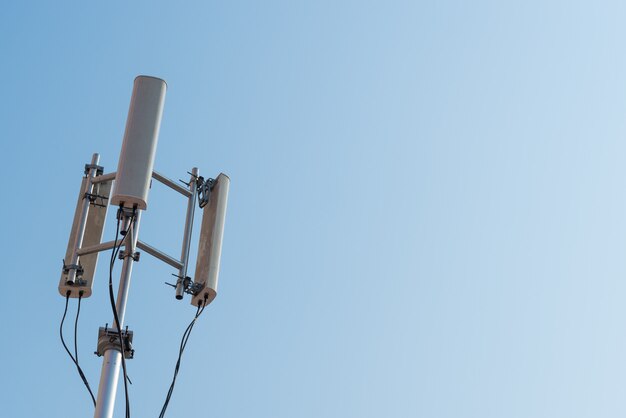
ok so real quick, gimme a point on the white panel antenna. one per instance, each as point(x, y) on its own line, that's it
point(134, 170)
point(79, 264)
point(210, 246)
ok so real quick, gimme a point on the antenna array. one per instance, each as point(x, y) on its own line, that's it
point(128, 190)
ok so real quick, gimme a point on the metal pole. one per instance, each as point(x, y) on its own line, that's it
point(159, 254)
point(112, 358)
point(171, 183)
point(184, 256)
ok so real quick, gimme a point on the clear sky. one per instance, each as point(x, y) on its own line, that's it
point(426, 217)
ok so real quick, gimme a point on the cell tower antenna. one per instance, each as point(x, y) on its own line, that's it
point(128, 189)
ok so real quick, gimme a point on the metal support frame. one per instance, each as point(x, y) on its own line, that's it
point(190, 193)
point(160, 255)
point(184, 255)
point(107, 348)
point(172, 184)
point(104, 178)
point(96, 248)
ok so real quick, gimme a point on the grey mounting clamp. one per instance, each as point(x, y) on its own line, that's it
point(108, 339)
point(190, 287)
point(93, 199)
point(195, 288)
point(135, 256)
point(124, 211)
point(99, 169)
point(79, 272)
point(204, 190)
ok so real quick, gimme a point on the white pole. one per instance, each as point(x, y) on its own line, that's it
point(112, 359)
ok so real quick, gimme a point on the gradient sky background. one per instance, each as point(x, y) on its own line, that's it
point(426, 216)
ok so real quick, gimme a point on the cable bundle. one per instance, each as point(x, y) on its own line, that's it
point(183, 344)
point(75, 356)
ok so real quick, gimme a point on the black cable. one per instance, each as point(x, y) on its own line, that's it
point(183, 344)
point(80, 296)
point(114, 253)
point(75, 359)
point(80, 370)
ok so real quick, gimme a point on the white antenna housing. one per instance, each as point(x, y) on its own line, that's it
point(210, 246)
point(93, 226)
point(134, 170)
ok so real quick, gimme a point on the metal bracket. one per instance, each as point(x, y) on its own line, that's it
point(93, 199)
point(195, 288)
point(99, 169)
point(124, 211)
point(204, 190)
point(79, 272)
point(186, 183)
point(108, 339)
point(189, 286)
point(135, 256)
point(68, 267)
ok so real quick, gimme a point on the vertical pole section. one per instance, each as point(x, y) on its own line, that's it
point(184, 256)
point(82, 223)
point(112, 358)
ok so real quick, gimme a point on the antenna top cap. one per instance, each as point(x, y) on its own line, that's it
point(149, 76)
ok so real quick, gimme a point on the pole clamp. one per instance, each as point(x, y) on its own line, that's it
point(135, 256)
point(204, 190)
point(189, 286)
point(108, 339)
point(79, 273)
point(96, 199)
point(99, 169)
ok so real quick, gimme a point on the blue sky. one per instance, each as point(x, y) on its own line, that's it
point(426, 213)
